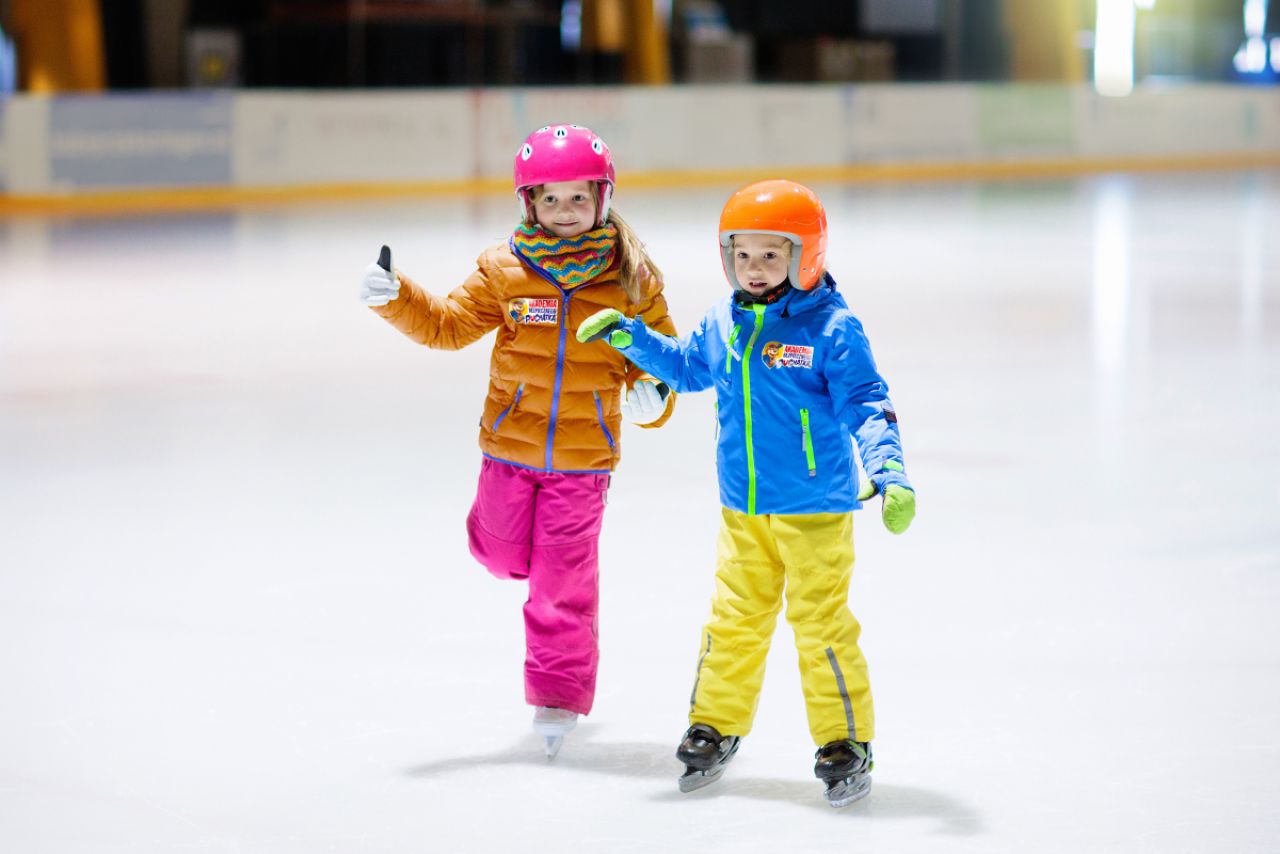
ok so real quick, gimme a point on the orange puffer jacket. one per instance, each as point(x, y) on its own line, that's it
point(553, 403)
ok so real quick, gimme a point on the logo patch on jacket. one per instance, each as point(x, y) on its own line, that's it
point(778, 355)
point(528, 311)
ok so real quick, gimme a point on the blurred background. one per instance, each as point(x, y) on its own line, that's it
point(166, 44)
point(179, 97)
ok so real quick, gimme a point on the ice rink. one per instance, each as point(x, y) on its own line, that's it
point(238, 614)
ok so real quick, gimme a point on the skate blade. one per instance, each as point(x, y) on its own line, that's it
point(554, 730)
point(845, 792)
point(553, 745)
point(692, 780)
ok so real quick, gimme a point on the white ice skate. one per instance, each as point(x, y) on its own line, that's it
point(553, 725)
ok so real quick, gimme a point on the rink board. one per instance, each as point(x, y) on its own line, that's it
point(232, 145)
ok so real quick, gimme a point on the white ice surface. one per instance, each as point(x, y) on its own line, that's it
point(237, 612)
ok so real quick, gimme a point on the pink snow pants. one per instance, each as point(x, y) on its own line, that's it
point(545, 526)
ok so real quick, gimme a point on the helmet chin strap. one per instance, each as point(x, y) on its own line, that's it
point(769, 297)
point(604, 200)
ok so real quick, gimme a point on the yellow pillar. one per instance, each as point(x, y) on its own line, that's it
point(648, 58)
point(59, 45)
point(1043, 41)
point(603, 26)
point(630, 29)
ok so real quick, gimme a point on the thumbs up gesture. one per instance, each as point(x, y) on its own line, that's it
point(380, 284)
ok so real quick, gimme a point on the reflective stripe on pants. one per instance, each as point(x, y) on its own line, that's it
point(811, 555)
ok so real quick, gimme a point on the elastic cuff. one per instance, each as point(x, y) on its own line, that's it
point(630, 327)
point(886, 479)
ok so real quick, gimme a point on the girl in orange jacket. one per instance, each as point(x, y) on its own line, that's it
point(551, 422)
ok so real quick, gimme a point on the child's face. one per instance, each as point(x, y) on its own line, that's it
point(760, 261)
point(565, 208)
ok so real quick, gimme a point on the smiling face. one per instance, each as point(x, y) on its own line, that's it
point(761, 262)
point(565, 208)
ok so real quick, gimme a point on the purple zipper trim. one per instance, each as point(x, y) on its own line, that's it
point(510, 406)
point(600, 416)
point(564, 312)
point(533, 468)
point(555, 400)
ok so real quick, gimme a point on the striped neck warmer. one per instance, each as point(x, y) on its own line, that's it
point(569, 260)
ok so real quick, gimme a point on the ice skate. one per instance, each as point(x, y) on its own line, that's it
point(704, 753)
point(553, 725)
point(845, 766)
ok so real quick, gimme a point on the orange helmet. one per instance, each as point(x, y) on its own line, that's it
point(786, 209)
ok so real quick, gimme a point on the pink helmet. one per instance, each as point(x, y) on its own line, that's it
point(564, 153)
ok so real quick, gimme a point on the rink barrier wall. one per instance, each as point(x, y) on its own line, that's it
point(212, 198)
point(128, 152)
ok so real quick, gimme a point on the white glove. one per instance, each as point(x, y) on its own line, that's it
point(646, 401)
point(379, 286)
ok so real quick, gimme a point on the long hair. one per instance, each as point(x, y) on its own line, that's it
point(634, 263)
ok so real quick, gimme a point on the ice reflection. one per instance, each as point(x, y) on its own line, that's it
point(1112, 276)
point(1251, 265)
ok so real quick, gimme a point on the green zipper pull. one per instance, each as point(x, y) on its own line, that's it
point(808, 443)
point(746, 405)
point(728, 351)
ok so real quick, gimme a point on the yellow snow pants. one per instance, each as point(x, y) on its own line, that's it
point(812, 554)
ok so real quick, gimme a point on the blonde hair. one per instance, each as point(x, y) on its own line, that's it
point(634, 263)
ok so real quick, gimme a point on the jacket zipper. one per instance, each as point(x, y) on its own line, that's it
point(746, 404)
point(600, 416)
point(510, 406)
point(728, 351)
point(564, 317)
point(808, 443)
point(555, 397)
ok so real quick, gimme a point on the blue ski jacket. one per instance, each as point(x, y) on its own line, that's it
point(793, 380)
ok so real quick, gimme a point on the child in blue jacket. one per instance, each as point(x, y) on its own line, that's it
point(794, 376)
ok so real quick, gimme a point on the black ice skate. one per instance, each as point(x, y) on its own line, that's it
point(704, 753)
point(845, 766)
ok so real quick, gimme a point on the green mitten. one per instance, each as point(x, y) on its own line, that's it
point(866, 491)
point(899, 508)
point(609, 324)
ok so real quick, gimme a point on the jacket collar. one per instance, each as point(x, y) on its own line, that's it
point(608, 276)
point(794, 301)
